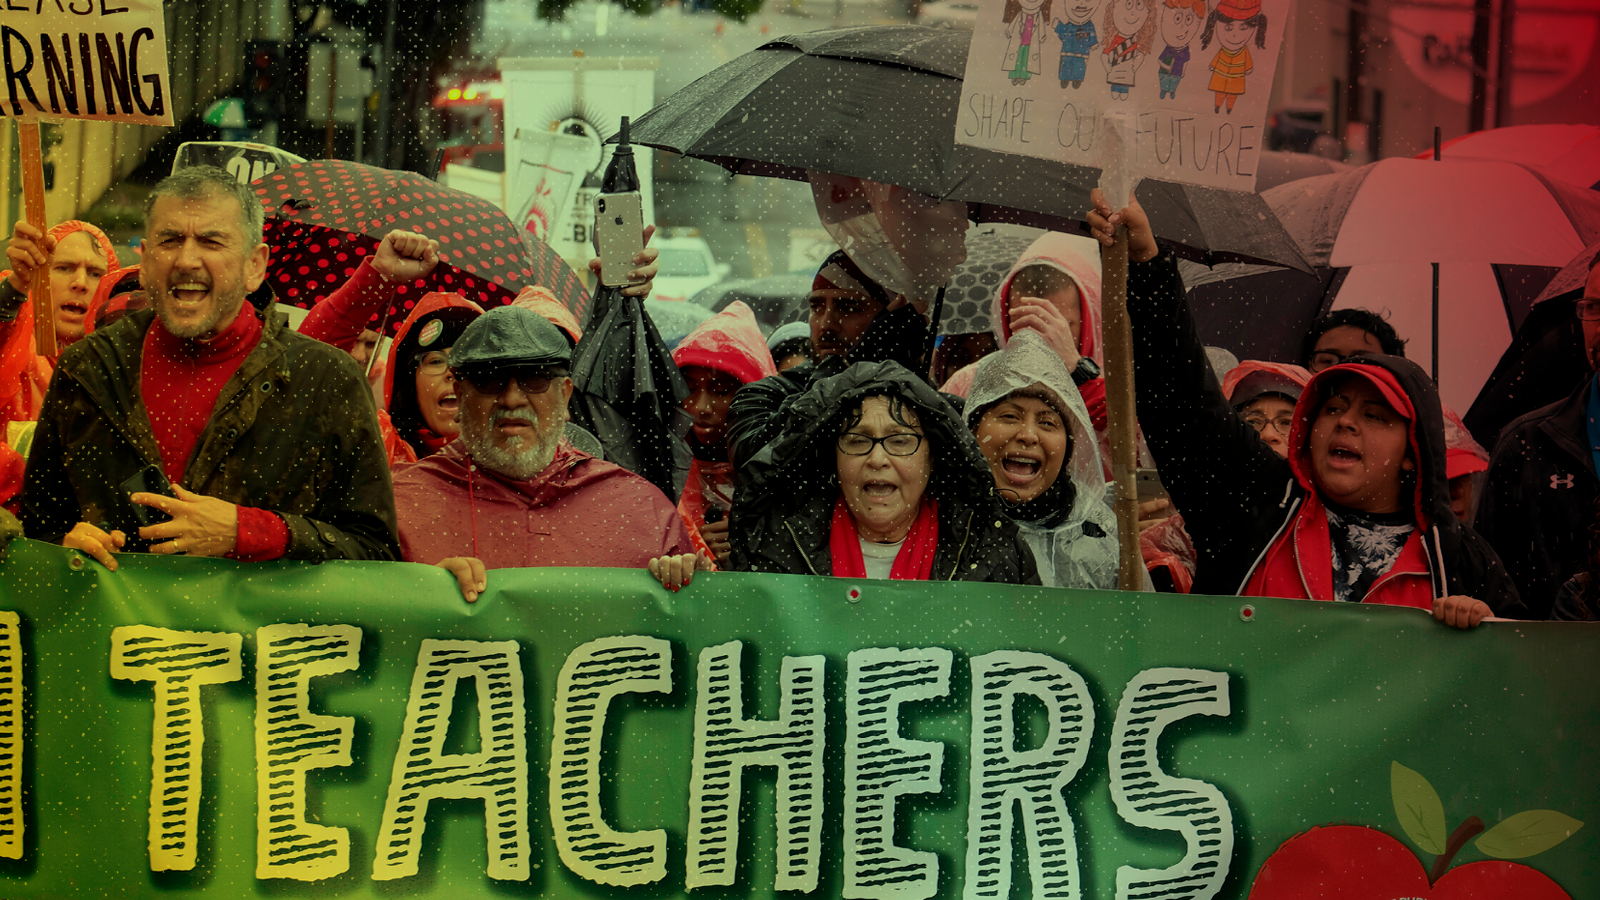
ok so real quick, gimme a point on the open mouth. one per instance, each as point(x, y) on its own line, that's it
point(72, 306)
point(1343, 456)
point(448, 402)
point(1020, 469)
point(190, 293)
point(878, 490)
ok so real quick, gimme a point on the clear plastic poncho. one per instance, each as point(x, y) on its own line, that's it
point(1079, 551)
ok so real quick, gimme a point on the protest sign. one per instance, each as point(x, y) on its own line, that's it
point(204, 728)
point(1191, 79)
point(104, 60)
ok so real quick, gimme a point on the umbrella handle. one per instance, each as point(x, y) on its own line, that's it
point(933, 332)
point(372, 358)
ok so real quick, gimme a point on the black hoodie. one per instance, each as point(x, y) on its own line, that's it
point(782, 522)
point(1236, 494)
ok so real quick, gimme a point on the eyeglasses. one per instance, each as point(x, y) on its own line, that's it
point(853, 443)
point(1323, 359)
point(532, 381)
point(1281, 424)
point(434, 364)
point(1587, 309)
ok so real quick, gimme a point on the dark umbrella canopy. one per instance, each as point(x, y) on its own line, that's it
point(990, 255)
point(324, 217)
point(881, 103)
point(776, 300)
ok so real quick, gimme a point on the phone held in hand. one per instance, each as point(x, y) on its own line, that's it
point(619, 234)
point(149, 480)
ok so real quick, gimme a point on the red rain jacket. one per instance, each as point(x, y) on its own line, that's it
point(24, 374)
point(580, 511)
point(399, 450)
point(731, 342)
point(1299, 563)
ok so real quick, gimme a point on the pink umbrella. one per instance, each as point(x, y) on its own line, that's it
point(1568, 152)
point(1498, 232)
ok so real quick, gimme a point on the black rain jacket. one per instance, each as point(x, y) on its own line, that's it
point(1539, 499)
point(295, 431)
point(791, 486)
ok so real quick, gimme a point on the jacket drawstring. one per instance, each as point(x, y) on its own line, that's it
point(472, 507)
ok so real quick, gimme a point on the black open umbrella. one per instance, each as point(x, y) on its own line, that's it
point(880, 103)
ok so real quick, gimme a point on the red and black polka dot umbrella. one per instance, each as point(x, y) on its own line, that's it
point(324, 217)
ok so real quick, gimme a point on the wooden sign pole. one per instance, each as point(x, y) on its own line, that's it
point(1117, 332)
point(44, 308)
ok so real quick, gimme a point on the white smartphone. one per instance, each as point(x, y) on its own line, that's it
point(618, 235)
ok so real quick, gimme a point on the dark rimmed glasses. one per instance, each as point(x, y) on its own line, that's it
point(1280, 424)
point(854, 443)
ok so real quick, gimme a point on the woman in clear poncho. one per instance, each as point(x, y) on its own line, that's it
point(1034, 429)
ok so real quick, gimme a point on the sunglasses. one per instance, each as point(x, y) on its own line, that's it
point(531, 381)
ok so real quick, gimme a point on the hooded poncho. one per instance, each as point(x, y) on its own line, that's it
point(405, 434)
point(24, 374)
point(730, 342)
point(1080, 549)
point(1059, 252)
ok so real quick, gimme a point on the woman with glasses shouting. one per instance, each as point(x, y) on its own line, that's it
point(874, 477)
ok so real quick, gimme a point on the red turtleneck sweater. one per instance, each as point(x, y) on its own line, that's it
point(181, 380)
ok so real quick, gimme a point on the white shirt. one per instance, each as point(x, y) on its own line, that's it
point(879, 558)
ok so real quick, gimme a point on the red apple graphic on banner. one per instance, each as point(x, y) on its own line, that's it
point(1353, 862)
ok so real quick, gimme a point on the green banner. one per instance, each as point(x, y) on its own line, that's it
point(196, 727)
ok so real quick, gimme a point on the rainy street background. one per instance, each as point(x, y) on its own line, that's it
point(417, 87)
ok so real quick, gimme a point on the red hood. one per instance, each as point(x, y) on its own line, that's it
point(429, 303)
point(1393, 393)
point(102, 304)
point(1249, 367)
point(731, 342)
point(542, 301)
point(1060, 252)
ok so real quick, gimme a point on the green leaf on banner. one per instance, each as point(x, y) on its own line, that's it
point(1527, 833)
point(1417, 805)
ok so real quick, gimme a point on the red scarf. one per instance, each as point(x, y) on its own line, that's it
point(914, 562)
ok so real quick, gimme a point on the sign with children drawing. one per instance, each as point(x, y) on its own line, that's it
point(1189, 79)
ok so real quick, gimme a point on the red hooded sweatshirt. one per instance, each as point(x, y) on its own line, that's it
point(399, 449)
point(1299, 562)
point(580, 511)
point(730, 342)
point(24, 374)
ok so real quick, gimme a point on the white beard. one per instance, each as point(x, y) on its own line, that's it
point(519, 459)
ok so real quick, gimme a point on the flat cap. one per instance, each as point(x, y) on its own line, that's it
point(509, 337)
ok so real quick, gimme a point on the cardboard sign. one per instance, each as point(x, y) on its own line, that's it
point(104, 60)
point(1192, 79)
point(201, 728)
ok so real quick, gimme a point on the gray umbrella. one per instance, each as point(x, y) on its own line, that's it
point(991, 252)
point(776, 300)
point(675, 318)
point(880, 103)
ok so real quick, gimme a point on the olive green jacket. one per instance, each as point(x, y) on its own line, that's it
point(294, 431)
